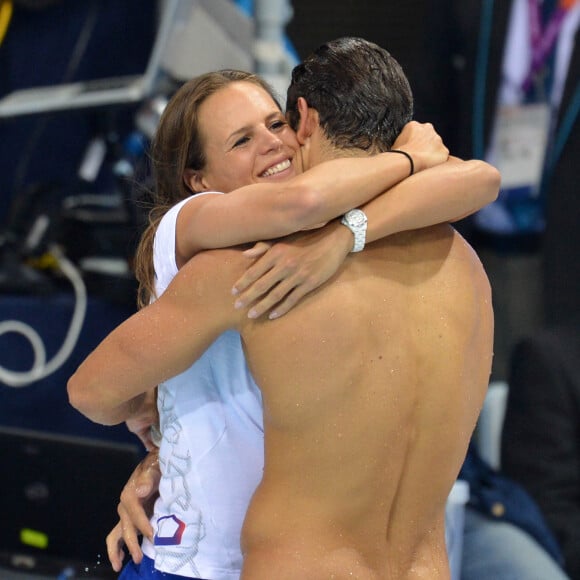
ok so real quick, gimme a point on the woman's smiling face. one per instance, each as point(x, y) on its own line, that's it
point(246, 140)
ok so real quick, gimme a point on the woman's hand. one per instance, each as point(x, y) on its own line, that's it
point(284, 272)
point(135, 507)
point(423, 143)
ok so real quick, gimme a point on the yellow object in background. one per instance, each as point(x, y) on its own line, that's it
point(5, 17)
point(34, 538)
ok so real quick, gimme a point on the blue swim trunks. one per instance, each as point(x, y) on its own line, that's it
point(146, 571)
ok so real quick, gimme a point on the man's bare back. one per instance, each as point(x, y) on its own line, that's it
point(371, 391)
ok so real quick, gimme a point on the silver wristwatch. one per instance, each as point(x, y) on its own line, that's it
point(356, 221)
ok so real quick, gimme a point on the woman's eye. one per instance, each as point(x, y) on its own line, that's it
point(278, 124)
point(241, 141)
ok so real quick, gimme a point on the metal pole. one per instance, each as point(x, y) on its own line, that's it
point(272, 60)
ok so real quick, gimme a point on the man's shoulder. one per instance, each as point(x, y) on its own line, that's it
point(217, 264)
point(209, 272)
point(437, 231)
point(420, 244)
point(204, 285)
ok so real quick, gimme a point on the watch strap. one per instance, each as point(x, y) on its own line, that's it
point(359, 230)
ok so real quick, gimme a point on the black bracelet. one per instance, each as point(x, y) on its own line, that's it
point(407, 156)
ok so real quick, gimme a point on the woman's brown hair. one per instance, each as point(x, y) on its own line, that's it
point(178, 146)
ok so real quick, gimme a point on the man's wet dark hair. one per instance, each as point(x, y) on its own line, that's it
point(360, 91)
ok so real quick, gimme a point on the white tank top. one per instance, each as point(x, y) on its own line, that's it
point(211, 454)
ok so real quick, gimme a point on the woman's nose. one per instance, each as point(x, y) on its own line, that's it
point(271, 141)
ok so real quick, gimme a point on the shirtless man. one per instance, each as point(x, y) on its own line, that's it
point(371, 386)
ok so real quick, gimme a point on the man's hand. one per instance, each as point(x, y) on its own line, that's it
point(147, 416)
point(423, 144)
point(135, 508)
point(288, 270)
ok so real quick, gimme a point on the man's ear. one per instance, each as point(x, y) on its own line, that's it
point(195, 181)
point(308, 121)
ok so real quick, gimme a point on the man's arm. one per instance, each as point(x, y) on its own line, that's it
point(135, 507)
point(158, 342)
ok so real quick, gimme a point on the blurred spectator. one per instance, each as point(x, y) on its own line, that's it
point(541, 434)
point(475, 61)
point(506, 536)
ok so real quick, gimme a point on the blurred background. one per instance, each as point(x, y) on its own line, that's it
point(82, 85)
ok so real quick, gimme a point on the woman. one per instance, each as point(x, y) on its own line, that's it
point(211, 450)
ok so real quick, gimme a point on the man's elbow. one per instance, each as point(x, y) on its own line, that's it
point(75, 395)
point(81, 396)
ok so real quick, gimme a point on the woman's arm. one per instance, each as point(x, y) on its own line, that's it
point(445, 193)
point(265, 211)
point(285, 272)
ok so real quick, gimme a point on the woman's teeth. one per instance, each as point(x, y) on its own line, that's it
point(277, 168)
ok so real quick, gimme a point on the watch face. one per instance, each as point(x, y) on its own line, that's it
point(356, 218)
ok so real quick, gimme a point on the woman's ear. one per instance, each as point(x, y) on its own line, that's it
point(308, 120)
point(194, 181)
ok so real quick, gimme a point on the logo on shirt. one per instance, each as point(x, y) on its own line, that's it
point(169, 531)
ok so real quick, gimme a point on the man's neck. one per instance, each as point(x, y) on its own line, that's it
point(325, 151)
